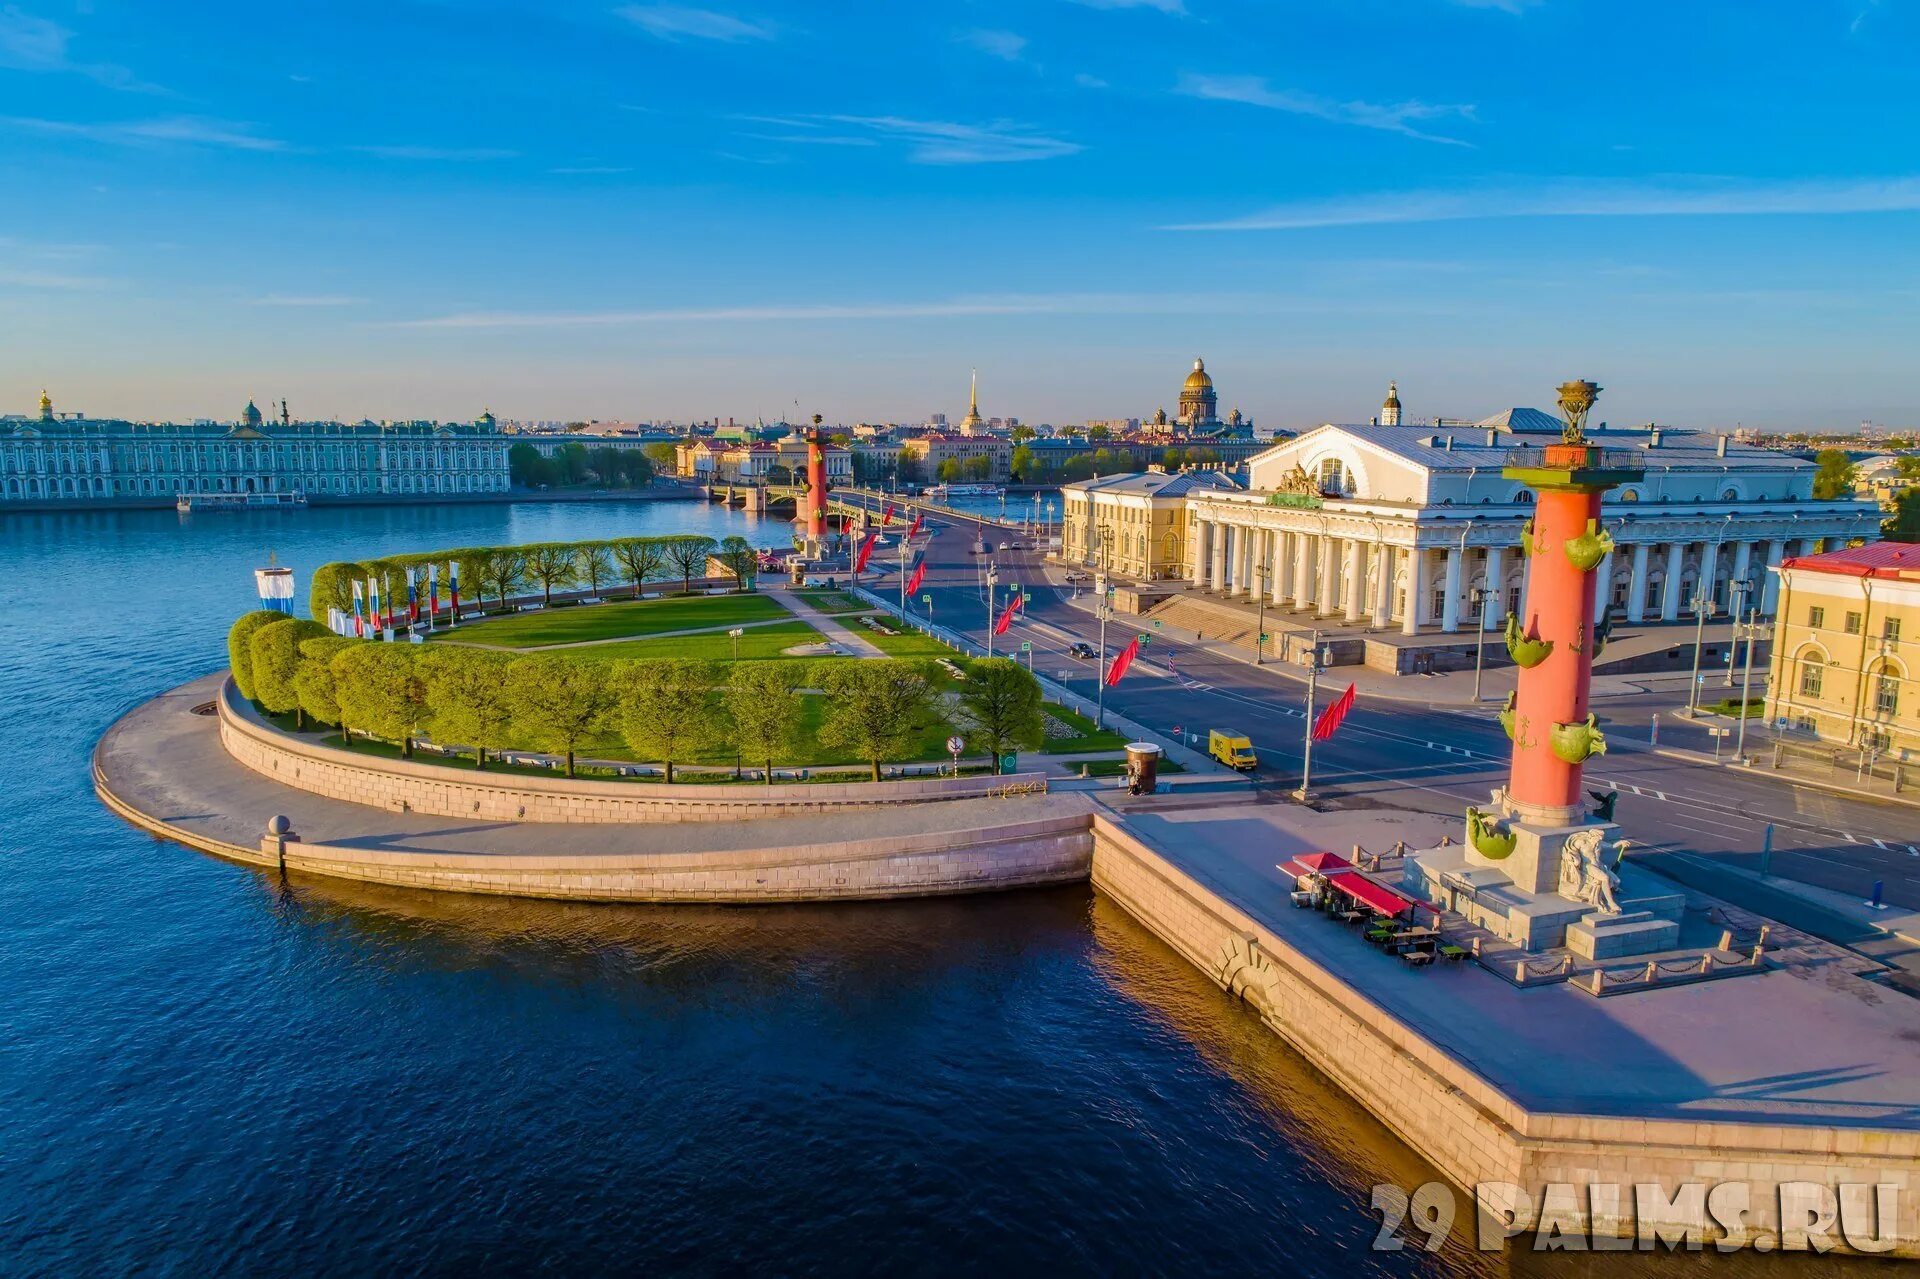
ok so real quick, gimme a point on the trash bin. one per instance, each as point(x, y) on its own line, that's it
point(1143, 768)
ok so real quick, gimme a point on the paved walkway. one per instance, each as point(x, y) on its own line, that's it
point(852, 641)
point(1807, 1043)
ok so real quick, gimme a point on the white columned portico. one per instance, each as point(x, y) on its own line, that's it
point(1496, 604)
point(1416, 587)
point(1217, 557)
point(1202, 549)
point(1302, 569)
point(1356, 579)
point(1742, 565)
point(1708, 577)
point(1282, 568)
point(1603, 587)
point(1382, 584)
point(1670, 595)
point(1770, 588)
point(1329, 567)
point(1236, 546)
point(1249, 556)
point(1450, 596)
point(1637, 585)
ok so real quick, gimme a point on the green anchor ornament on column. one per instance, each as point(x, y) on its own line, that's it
point(1586, 551)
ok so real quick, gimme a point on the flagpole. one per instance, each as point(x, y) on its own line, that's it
point(1313, 685)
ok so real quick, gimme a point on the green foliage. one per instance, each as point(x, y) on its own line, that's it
point(764, 703)
point(666, 709)
point(332, 587)
point(663, 456)
point(687, 555)
point(740, 559)
point(641, 559)
point(551, 564)
point(594, 565)
point(502, 569)
point(313, 681)
point(1833, 475)
point(877, 709)
point(467, 699)
point(1000, 708)
point(379, 691)
point(239, 646)
point(1904, 524)
point(558, 704)
point(1023, 464)
point(276, 660)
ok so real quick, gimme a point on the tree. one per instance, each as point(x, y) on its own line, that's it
point(468, 699)
point(1833, 474)
point(595, 564)
point(557, 703)
point(948, 471)
point(276, 660)
point(504, 568)
point(1907, 466)
point(977, 467)
point(1904, 524)
point(239, 646)
point(313, 682)
point(379, 692)
point(666, 709)
point(1023, 465)
point(763, 701)
point(570, 461)
point(1021, 434)
point(332, 587)
point(740, 559)
point(527, 467)
point(1099, 433)
point(640, 558)
point(877, 709)
point(551, 564)
point(1000, 708)
point(664, 456)
point(687, 553)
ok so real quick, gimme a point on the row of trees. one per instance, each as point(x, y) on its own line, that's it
point(574, 464)
point(502, 572)
point(667, 710)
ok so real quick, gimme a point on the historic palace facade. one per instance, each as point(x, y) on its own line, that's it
point(1408, 526)
point(51, 458)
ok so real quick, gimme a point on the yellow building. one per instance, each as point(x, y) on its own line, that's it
point(1846, 649)
point(1132, 525)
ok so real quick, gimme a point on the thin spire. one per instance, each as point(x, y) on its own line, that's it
point(973, 399)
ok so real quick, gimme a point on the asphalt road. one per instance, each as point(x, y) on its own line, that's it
point(1427, 758)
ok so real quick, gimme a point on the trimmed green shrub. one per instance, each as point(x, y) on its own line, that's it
point(276, 660)
point(313, 680)
point(239, 646)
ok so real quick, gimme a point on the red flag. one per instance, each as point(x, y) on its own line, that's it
point(1006, 616)
point(1121, 661)
point(866, 549)
point(913, 529)
point(1329, 722)
point(919, 576)
point(886, 516)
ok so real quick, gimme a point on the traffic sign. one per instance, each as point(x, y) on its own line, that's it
point(954, 745)
point(1026, 646)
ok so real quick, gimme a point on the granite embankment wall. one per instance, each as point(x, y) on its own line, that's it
point(415, 786)
point(1455, 1118)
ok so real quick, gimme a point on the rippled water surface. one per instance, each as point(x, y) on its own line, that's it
point(204, 1070)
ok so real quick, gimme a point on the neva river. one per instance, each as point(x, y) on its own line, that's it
point(206, 1071)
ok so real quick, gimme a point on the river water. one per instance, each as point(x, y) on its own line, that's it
point(204, 1070)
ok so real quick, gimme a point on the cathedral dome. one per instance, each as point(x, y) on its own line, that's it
point(1198, 379)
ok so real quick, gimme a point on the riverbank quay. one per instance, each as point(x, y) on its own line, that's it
point(165, 501)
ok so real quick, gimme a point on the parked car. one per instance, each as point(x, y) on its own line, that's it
point(1080, 649)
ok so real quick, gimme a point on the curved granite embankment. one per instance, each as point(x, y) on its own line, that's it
point(167, 769)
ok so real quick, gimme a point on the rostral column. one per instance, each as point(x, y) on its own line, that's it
point(816, 530)
point(1554, 644)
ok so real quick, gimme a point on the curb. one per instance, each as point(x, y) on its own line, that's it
point(1781, 775)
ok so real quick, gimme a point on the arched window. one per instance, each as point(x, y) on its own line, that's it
point(1812, 676)
point(1629, 495)
point(1333, 477)
point(1729, 494)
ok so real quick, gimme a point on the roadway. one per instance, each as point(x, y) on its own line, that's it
point(1694, 820)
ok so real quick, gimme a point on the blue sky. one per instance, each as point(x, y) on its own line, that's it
point(568, 208)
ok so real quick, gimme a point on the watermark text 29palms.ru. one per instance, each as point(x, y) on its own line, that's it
point(1727, 1216)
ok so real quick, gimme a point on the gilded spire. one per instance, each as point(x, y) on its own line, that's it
point(46, 405)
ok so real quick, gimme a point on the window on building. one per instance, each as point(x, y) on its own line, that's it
point(1890, 629)
point(1333, 476)
point(1852, 626)
point(1816, 617)
point(1812, 676)
point(1886, 694)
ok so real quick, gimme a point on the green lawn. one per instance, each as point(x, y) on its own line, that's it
point(1087, 738)
point(616, 621)
point(757, 644)
point(908, 643)
point(832, 602)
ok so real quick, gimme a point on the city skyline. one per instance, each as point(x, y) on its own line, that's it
point(663, 211)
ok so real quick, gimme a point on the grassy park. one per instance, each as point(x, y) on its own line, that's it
point(756, 644)
point(628, 619)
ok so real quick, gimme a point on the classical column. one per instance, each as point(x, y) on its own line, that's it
point(1197, 572)
point(1450, 601)
point(1603, 588)
point(1303, 570)
point(1637, 585)
point(1236, 546)
point(1496, 605)
point(1217, 570)
point(1709, 574)
point(1670, 594)
point(1416, 587)
point(1356, 579)
point(1282, 579)
point(1742, 565)
point(1328, 552)
point(1382, 584)
point(1249, 554)
point(1770, 589)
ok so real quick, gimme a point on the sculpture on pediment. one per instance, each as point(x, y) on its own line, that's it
point(1298, 481)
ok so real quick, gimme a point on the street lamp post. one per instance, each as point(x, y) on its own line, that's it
point(1737, 590)
point(1103, 610)
point(1480, 594)
point(1315, 664)
point(1752, 631)
point(1702, 601)
point(993, 580)
point(1260, 626)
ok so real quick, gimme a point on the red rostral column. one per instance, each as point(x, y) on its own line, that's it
point(1553, 644)
point(816, 483)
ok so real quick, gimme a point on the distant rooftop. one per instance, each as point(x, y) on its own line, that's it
point(1898, 561)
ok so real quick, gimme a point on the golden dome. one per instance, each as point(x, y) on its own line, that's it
point(1198, 379)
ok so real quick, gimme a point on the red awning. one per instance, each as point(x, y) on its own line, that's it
point(1315, 864)
point(1365, 891)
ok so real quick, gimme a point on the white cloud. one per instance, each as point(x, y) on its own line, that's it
point(583, 170)
point(1392, 117)
point(1086, 81)
point(676, 22)
point(28, 43)
point(1164, 6)
point(1004, 45)
point(1696, 197)
point(1515, 7)
point(436, 153)
point(945, 142)
point(52, 280)
point(306, 300)
point(965, 307)
point(185, 129)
